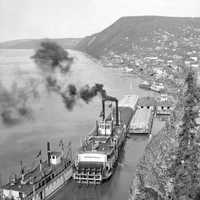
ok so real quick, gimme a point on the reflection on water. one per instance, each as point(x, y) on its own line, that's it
point(52, 122)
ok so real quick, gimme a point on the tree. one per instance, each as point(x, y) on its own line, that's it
point(184, 169)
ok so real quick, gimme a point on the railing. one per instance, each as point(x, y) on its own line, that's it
point(89, 176)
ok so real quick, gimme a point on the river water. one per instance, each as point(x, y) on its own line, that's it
point(52, 122)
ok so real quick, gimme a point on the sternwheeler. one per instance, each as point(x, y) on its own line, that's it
point(42, 181)
point(99, 152)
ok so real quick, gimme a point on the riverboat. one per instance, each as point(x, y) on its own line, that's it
point(42, 181)
point(145, 85)
point(157, 87)
point(100, 150)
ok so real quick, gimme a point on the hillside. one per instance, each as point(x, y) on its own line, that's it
point(129, 33)
point(33, 43)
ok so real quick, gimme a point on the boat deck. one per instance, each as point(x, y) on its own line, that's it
point(103, 143)
point(142, 121)
point(35, 176)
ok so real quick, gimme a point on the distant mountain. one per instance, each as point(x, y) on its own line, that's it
point(129, 32)
point(34, 43)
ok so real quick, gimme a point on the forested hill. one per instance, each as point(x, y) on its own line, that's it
point(34, 43)
point(132, 32)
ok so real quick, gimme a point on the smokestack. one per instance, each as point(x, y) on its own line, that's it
point(40, 165)
point(22, 172)
point(97, 128)
point(48, 153)
point(109, 98)
point(103, 109)
point(117, 113)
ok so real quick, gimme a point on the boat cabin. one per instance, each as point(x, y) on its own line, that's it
point(164, 107)
point(105, 127)
point(146, 102)
point(55, 157)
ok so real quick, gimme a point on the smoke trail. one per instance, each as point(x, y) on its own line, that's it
point(69, 96)
point(15, 102)
point(51, 56)
point(87, 93)
point(53, 60)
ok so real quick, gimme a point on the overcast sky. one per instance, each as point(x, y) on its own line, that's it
point(78, 18)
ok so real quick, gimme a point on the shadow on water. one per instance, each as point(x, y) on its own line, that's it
point(138, 137)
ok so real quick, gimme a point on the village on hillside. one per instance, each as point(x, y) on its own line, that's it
point(165, 61)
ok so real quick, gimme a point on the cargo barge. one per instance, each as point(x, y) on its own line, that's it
point(142, 121)
point(99, 152)
point(44, 180)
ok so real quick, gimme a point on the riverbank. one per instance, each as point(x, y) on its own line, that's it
point(151, 180)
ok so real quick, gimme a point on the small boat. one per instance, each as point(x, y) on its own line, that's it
point(145, 85)
point(157, 87)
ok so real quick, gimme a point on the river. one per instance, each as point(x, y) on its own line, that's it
point(52, 122)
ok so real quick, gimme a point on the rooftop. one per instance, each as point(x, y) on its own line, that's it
point(146, 101)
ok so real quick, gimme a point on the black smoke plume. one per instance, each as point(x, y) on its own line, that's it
point(69, 96)
point(15, 102)
point(88, 93)
point(50, 56)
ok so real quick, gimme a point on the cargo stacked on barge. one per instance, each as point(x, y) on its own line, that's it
point(143, 119)
point(100, 150)
point(42, 181)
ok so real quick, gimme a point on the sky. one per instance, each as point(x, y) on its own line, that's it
point(21, 19)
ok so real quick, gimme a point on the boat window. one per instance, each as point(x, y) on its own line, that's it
point(162, 107)
point(107, 126)
point(48, 179)
point(20, 195)
point(142, 106)
point(102, 126)
point(168, 107)
point(148, 107)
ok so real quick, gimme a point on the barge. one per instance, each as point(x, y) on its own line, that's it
point(42, 181)
point(142, 121)
point(99, 152)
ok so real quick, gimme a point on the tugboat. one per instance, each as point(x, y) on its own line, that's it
point(99, 152)
point(157, 87)
point(44, 180)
